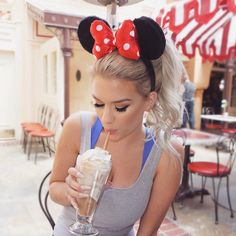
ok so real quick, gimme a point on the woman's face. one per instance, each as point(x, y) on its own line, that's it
point(118, 105)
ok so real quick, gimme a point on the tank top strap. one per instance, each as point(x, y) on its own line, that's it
point(147, 149)
point(85, 131)
point(97, 129)
point(95, 132)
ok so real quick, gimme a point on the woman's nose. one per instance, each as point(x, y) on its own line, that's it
point(107, 116)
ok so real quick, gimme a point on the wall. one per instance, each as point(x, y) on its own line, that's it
point(11, 54)
point(8, 90)
point(79, 90)
point(37, 41)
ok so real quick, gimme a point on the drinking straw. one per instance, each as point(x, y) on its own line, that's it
point(106, 141)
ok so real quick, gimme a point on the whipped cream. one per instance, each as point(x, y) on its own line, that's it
point(95, 165)
point(96, 154)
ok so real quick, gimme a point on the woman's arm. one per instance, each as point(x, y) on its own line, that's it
point(65, 158)
point(165, 186)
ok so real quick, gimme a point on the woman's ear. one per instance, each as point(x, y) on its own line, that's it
point(151, 100)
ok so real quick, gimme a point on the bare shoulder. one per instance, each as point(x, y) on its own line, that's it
point(73, 122)
point(71, 132)
point(172, 160)
point(179, 148)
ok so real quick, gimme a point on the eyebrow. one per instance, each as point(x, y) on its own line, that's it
point(115, 101)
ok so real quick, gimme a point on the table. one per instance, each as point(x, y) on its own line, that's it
point(224, 118)
point(192, 137)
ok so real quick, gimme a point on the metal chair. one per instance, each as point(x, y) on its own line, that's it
point(173, 211)
point(216, 170)
point(229, 132)
point(39, 124)
point(45, 136)
point(43, 200)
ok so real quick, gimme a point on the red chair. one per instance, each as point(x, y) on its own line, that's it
point(45, 135)
point(28, 127)
point(40, 114)
point(216, 170)
point(229, 132)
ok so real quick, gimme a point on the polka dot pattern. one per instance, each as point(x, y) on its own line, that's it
point(97, 48)
point(131, 33)
point(106, 41)
point(126, 46)
point(124, 39)
point(99, 27)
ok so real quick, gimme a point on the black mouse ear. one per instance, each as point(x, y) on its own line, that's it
point(151, 38)
point(83, 32)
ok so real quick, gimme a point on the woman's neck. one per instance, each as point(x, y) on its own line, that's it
point(136, 136)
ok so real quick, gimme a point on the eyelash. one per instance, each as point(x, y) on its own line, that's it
point(122, 109)
point(118, 109)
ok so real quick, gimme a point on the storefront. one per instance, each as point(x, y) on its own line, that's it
point(205, 32)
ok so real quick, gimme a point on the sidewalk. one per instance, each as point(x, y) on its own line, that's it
point(21, 214)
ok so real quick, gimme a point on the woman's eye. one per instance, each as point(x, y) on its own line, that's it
point(97, 105)
point(122, 109)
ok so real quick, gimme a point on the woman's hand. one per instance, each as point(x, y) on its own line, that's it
point(73, 189)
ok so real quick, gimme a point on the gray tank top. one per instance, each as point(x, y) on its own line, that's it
point(118, 208)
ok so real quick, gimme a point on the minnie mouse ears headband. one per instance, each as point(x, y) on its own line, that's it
point(141, 38)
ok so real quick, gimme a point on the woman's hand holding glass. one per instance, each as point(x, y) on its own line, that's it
point(75, 191)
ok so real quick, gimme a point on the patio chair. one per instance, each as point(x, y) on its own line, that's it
point(217, 170)
point(43, 199)
point(44, 136)
point(173, 211)
point(34, 125)
point(229, 132)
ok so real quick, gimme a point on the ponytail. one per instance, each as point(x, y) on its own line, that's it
point(166, 113)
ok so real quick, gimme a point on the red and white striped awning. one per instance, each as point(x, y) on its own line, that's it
point(208, 25)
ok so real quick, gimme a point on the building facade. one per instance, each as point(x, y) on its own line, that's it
point(42, 62)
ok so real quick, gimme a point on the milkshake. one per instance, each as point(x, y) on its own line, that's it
point(95, 165)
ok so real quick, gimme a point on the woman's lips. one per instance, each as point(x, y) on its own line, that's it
point(111, 131)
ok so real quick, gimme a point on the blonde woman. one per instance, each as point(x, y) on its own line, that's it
point(137, 71)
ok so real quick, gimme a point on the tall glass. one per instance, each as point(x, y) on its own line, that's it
point(95, 165)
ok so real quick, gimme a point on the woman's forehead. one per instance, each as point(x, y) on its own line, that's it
point(113, 83)
point(114, 89)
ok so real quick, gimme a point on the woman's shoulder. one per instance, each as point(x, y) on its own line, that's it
point(178, 147)
point(75, 119)
point(173, 157)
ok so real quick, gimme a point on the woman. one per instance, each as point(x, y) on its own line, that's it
point(128, 80)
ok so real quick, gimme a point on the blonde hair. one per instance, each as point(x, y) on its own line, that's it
point(165, 114)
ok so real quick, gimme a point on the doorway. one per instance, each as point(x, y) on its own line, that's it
point(213, 95)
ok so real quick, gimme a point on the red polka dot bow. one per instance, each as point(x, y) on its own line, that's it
point(124, 39)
